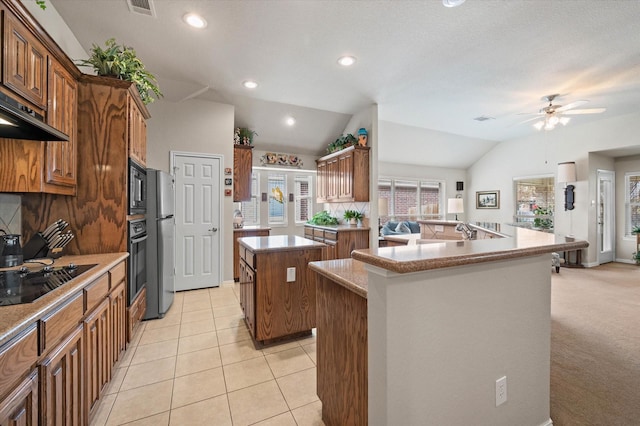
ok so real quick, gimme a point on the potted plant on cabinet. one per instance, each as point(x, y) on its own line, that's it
point(120, 61)
point(353, 216)
point(243, 136)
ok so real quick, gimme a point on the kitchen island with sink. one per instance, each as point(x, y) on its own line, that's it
point(444, 322)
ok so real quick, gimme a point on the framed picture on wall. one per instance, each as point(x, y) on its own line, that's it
point(487, 199)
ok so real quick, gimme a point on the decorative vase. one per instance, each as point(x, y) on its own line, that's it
point(353, 221)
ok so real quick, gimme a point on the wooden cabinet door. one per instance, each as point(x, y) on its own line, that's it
point(97, 360)
point(61, 388)
point(118, 313)
point(345, 177)
point(24, 62)
point(242, 165)
point(137, 134)
point(60, 164)
point(321, 181)
point(330, 251)
point(20, 407)
point(250, 300)
point(333, 179)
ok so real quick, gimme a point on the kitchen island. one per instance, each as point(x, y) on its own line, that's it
point(277, 290)
point(445, 321)
point(57, 352)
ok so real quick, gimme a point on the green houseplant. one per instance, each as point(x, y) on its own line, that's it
point(342, 142)
point(353, 216)
point(243, 136)
point(323, 218)
point(120, 61)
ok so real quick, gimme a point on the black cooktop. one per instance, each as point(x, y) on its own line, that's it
point(26, 285)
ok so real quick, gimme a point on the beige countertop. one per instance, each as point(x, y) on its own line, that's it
point(341, 228)
point(278, 243)
point(15, 318)
point(252, 228)
point(349, 273)
point(519, 242)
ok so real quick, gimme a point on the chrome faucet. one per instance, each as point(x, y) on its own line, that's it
point(467, 233)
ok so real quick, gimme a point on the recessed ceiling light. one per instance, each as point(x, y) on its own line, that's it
point(347, 61)
point(452, 3)
point(196, 21)
point(290, 121)
point(250, 84)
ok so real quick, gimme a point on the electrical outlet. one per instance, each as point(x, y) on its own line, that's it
point(291, 274)
point(439, 228)
point(501, 390)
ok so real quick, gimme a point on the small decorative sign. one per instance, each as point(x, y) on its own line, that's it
point(273, 159)
point(228, 181)
point(227, 193)
point(227, 171)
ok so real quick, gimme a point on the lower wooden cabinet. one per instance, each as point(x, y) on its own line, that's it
point(118, 313)
point(20, 407)
point(61, 374)
point(97, 354)
point(241, 233)
point(340, 240)
point(135, 312)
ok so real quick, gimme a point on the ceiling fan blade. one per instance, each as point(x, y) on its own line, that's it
point(531, 113)
point(571, 105)
point(585, 111)
point(526, 121)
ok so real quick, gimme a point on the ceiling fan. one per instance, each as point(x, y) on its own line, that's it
point(552, 115)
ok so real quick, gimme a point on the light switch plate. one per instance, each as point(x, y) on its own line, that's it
point(291, 274)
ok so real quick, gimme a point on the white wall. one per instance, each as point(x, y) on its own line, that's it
point(200, 127)
point(625, 245)
point(539, 154)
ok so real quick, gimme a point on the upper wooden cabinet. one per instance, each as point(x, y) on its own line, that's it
point(24, 62)
point(137, 134)
point(60, 164)
point(242, 163)
point(344, 176)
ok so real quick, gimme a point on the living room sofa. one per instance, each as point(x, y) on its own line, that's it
point(400, 227)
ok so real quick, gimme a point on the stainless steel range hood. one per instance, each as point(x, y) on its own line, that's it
point(20, 122)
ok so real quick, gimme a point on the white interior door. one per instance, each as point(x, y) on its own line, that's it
point(606, 211)
point(198, 213)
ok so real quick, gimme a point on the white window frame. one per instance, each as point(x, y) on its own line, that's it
point(255, 193)
point(297, 197)
point(420, 183)
point(627, 205)
point(524, 218)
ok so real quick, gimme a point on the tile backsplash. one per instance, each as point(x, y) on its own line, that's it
point(10, 213)
point(337, 210)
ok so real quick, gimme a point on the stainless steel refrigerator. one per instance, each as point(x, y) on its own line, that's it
point(160, 241)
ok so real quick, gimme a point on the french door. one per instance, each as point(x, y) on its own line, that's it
point(606, 210)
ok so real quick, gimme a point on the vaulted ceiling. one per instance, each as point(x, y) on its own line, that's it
point(425, 65)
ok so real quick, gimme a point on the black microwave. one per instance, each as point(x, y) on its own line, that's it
point(137, 188)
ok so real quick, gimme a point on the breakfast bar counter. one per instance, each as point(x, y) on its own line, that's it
point(444, 322)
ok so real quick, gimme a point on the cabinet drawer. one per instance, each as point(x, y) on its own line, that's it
point(308, 232)
point(17, 356)
point(95, 292)
point(318, 233)
point(117, 275)
point(331, 235)
point(58, 323)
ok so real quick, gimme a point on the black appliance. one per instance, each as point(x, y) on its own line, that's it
point(18, 121)
point(10, 250)
point(137, 188)
point(137, 258)
point(25, 285)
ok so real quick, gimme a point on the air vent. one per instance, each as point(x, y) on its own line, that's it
point(484, 118)
point(143, 7)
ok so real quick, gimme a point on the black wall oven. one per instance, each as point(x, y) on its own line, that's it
point(137, 258)
point(137, 188)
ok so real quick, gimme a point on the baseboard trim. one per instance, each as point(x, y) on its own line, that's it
point(547, 423)
point(625, 261)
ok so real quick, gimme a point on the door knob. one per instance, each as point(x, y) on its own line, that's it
point(213, 229)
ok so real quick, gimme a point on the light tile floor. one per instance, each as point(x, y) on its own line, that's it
point(199, 366)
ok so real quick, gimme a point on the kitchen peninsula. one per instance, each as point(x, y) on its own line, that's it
point(444, 322)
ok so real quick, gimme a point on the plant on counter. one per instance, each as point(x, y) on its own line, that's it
point(42, 4)
point(635, 230)
point(243, 136)
point(121, 62)
point(342, 142)
point(352, 216)
point(323, 218)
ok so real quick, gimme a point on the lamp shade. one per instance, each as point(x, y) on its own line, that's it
point(383, 207)
point(567, 172)
point(454, 205)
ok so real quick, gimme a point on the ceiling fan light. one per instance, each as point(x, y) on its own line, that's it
point(565, 120)
point(452, 3)
point(553, 120)
point(549, 126)
point(539, 125)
